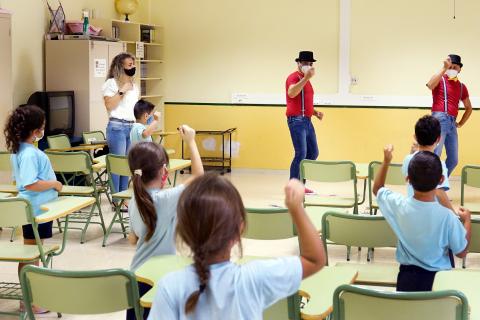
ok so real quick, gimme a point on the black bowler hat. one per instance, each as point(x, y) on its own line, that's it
point(305, 56)
point(456, 59)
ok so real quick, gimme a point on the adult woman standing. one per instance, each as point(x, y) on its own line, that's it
point(120, 95)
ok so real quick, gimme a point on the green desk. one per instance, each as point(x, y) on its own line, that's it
point(62, 207)
point(4, 195)
point(177, 165)
point(319, 287)
point(466, 281)
point(373, 274)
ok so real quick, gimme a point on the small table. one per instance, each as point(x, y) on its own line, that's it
point(177, 165)
point(88, 147)
point(61, 207)
point(162, 134)
point(466, 281)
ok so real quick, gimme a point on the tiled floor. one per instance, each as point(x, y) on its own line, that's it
point(258, 188)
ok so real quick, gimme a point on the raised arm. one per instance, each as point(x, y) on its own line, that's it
point(435, 79)
point(188, 135)
point(152, 126)
point(296, 88)
point(382, 173)
point(312, 253)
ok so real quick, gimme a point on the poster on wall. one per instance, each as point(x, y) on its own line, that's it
point(100, 68)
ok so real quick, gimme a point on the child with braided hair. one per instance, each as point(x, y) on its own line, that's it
point(211, 219)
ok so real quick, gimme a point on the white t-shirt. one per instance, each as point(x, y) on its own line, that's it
point(124, 109)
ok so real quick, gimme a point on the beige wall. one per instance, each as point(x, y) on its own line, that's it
point(29, 22)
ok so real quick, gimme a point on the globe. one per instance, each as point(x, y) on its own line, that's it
point(126, 7)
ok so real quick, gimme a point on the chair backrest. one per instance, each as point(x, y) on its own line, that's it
point(89, 136)
point(269, 224)
point(59, 141)
point(474, 245)
point(80, 292)
point(357, 230)
point(394, 176)
point(351, 302)
point(471, 176)
point(117, 165)
point(15, 212)
point(5, 161)
point(70, 162)
point(328, 171)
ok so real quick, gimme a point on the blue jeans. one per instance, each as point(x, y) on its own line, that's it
point(449, 138)
point(118, 139)
point(304, 142)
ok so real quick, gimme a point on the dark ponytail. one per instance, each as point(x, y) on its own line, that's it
point(211, 216)
point(146, 159)
point(20, 125)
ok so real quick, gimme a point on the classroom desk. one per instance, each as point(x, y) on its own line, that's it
point(162, 134)
point(87, 148)
point(4, 195)
point(466, 281)
point(62, 207)
point(319, 287)
point(177, 165)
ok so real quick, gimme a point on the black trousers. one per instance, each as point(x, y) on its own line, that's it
point(142, 289)
point(412, 278)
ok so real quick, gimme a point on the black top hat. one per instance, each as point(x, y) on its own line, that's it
point(456, 59)
point(305, 56)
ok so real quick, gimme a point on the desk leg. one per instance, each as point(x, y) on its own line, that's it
point(364, 191)
point(175, 178)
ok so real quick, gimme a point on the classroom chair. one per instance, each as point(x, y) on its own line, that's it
point(59, 141)
point(90, 137)
point(9, 188)
point(71, 166)
point(331, 172)
point(118, 165)
point(93, 136)
point(18, 212)
point(362, 231)
point(474, 246)
point(471, 178)
point(80, 292)
point(395, 177)
point(273, 223)
point(352, 302)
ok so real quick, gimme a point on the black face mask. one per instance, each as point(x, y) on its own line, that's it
point(130, 72)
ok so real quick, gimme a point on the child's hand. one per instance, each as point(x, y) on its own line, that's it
point(464, 214)
point(58, 186)
point(187, 133)
point(157, 115)
point(294, 194)
point(388, 153)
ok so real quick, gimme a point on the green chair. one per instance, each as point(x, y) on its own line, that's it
point(273, 223)
point(10, 188)
point(351, 302)
point(18, 212)
point(361, 231)
point(93, 136)
point(331, 172)
point(395, 177)
point(474, 246)
point(471, 178)
point(71, 166)
point(118, 165)
point(80, 292)
point(59, 141)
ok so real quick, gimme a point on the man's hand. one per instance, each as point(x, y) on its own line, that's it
point(447, 63)
point(310, 73)
point(318, 114)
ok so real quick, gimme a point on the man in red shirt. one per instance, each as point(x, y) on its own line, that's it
point(299, 112)
point(447, 92)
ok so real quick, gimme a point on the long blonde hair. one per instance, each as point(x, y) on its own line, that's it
point(116, 67)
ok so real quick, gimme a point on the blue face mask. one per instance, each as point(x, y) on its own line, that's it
point(150, 120)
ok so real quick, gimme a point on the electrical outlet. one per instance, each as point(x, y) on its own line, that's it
point(239, 98)
point(354, 80)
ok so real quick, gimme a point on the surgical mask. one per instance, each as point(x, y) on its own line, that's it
point(37, 139)
point(150, 119)
point(164, 179)
point(130, 72)
point(451, 73)
point(305, 69)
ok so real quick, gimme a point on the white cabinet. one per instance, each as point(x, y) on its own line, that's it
point(81, 66)
point(6, 80)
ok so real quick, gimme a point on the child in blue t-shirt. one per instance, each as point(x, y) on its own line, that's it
point(147, 122)
point(32, 170)
point(211, 219)
point(425, 229)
